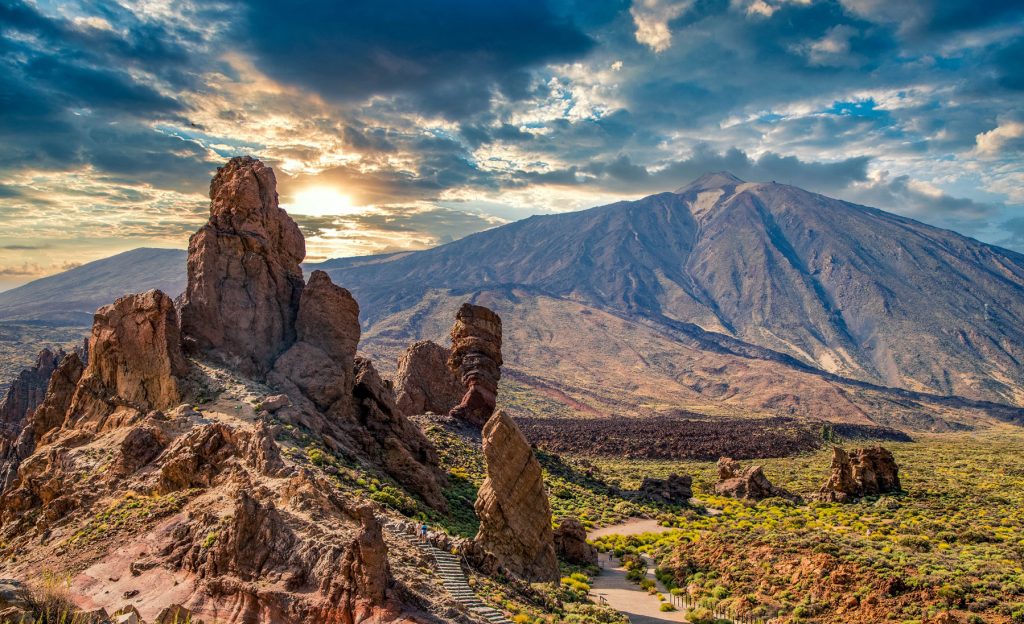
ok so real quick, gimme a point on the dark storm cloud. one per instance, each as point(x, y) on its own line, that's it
point(445, 55)
point(77, 94)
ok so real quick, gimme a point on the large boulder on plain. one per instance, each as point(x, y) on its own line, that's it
point(512, 504)
point(476, 359)
point(571, 543)
point(860, 472)
point(244, 279)
point(747, 483)
point(673, 490)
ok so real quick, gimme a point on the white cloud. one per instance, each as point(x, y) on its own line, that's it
point(832, 50)
point(1006, 136)
point(651, 18)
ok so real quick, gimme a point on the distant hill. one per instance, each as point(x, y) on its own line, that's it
point(71, 297)
point(723, 298)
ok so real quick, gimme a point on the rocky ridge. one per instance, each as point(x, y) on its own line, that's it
point(192, 426)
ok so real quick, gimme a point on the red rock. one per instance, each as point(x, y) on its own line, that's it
point(244, 279)
point(320, 366)
point(476, 359)
point(571, 543)
point(861, 472)
point(135, 363)
point(424, 383)
point(512, 504)
point(748, 483)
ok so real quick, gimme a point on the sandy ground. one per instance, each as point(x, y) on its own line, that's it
point(634, 526)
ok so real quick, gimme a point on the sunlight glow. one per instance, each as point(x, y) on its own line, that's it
point(321, 201)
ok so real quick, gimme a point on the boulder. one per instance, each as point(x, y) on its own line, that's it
point(512, 504)
point(747, 483)
point(321, 364)
point(571, 543)
point(135, 363)
point(244, 279)
point(675, 490)
point(860, 472)
point(424, 383)
point(476, 360)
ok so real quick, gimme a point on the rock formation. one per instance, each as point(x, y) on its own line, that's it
point(424, 383)
point(23, 397)
point(512, 504)
point(476, 359)
point(321, 364)
point(26, 392)
point(675, 490)
point(571, 543)
point(135, 363)
point(861, 472)
point(748, 483)
point(244, 279)
point(391, 440)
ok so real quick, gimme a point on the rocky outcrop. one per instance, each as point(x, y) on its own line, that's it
point(424, 383)
point(512, 504)
point(51, 412)
point(244, 279)
point(135, 363)
point(675, 490)
point(476, 359)
point(747, 483)
point(26, 392)
point(321, 364)
point(23, 397)
point(205, 455)
point(860, 472)
point(391, 440)
point(571, 543)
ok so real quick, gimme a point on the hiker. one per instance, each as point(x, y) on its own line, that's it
point(423, 532)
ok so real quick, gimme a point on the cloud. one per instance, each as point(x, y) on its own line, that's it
point(449, 57)
point(1007, 137)
point(652, 18)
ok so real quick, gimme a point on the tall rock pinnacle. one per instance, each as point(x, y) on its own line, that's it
point(244, 279)
point(476, 359)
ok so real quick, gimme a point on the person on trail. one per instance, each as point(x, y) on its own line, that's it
point(423, 532)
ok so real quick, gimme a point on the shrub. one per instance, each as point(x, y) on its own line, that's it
point(667, 606)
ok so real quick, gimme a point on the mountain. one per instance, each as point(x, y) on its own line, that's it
point(723, 298)
point(841, 288)
point(73, 296)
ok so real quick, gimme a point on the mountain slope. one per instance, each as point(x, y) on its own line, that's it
point(843, 288)
point(73, 296)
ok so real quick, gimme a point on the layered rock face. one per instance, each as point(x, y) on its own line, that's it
point(476, 359)
point(860, 472)
point(675, 490)
point(244, 279)
point(424, 383)
point(571, 543)
point(135, 362)
point(512, 504)
point(749, 483)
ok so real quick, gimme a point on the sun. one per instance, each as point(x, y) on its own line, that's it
point(321, 201)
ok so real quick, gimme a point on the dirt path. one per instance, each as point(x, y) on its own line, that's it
point(623, 595)
point(627, 598)
point(634, 526)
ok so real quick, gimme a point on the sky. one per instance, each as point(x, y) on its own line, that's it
point(404, 124)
